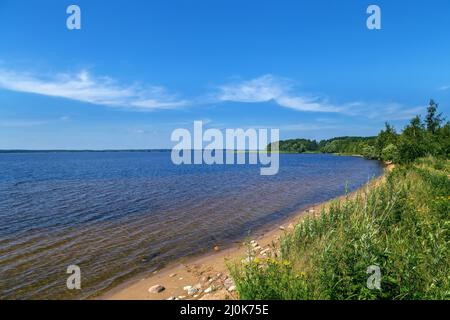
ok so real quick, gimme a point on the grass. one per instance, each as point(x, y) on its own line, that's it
point(402, 226)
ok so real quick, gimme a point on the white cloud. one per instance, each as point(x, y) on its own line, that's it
point(87, 88)
point(443, 88)
point(269, 88)
point(281, 91)
point(392, 111)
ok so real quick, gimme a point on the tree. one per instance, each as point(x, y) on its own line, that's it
point(443, 140)
point(433, 119)
point(385, 138)
point(390, 153)
point(412, 141)
point(369, 152)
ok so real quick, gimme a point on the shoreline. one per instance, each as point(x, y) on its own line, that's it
point(207, 273)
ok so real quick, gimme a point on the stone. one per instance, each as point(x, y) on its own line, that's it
point(172, 298)
point(209, 289)
point(191, 291)
point(198, 286)
point(173, 275)
point(228, 283)
point(247, 260)
point(216, 295)
point(216, 248)
point(282, 228)
point(232, 288)
point(156, 289)
point(205, 278)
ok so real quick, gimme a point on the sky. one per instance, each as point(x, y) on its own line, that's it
point(139, 69)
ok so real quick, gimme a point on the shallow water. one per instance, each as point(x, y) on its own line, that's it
point(117, 214)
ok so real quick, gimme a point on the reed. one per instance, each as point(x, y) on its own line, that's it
point(401, 225)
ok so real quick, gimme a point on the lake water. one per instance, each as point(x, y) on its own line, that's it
point(118, 214)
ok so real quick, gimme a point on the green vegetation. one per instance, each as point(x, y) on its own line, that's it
point(348, 145)
point(297, 146)
point(343, 145)
point(402, 226)
point(418, 139)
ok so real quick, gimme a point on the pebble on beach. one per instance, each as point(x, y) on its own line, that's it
point(156, 289)
point(209, 289)
point(228, 283)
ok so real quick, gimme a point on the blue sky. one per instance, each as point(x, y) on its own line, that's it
point(139, 69)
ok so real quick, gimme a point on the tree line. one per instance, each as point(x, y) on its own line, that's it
point(421, 137)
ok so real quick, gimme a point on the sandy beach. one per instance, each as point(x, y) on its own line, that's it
point(206, 277)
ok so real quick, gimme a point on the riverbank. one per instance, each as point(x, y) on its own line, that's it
point(390, 242)
point(207, 276)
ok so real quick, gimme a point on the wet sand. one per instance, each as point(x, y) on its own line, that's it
point(209, 271)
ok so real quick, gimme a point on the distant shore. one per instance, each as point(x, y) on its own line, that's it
point(206, 277)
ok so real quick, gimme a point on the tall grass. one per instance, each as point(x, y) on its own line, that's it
point(402, 226)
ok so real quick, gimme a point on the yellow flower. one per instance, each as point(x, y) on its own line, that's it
point(286, 263)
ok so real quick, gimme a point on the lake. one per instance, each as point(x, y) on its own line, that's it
point(119, 214)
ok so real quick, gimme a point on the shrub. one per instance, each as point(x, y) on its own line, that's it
point(390, 153)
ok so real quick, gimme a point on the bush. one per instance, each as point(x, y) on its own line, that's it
point(390, 153)
point(369, 152)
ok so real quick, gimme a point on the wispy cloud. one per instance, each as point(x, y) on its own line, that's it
point(392, 111)
point(443, 88)
point(101, 90)
point(281, 91)
point(86, 87)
